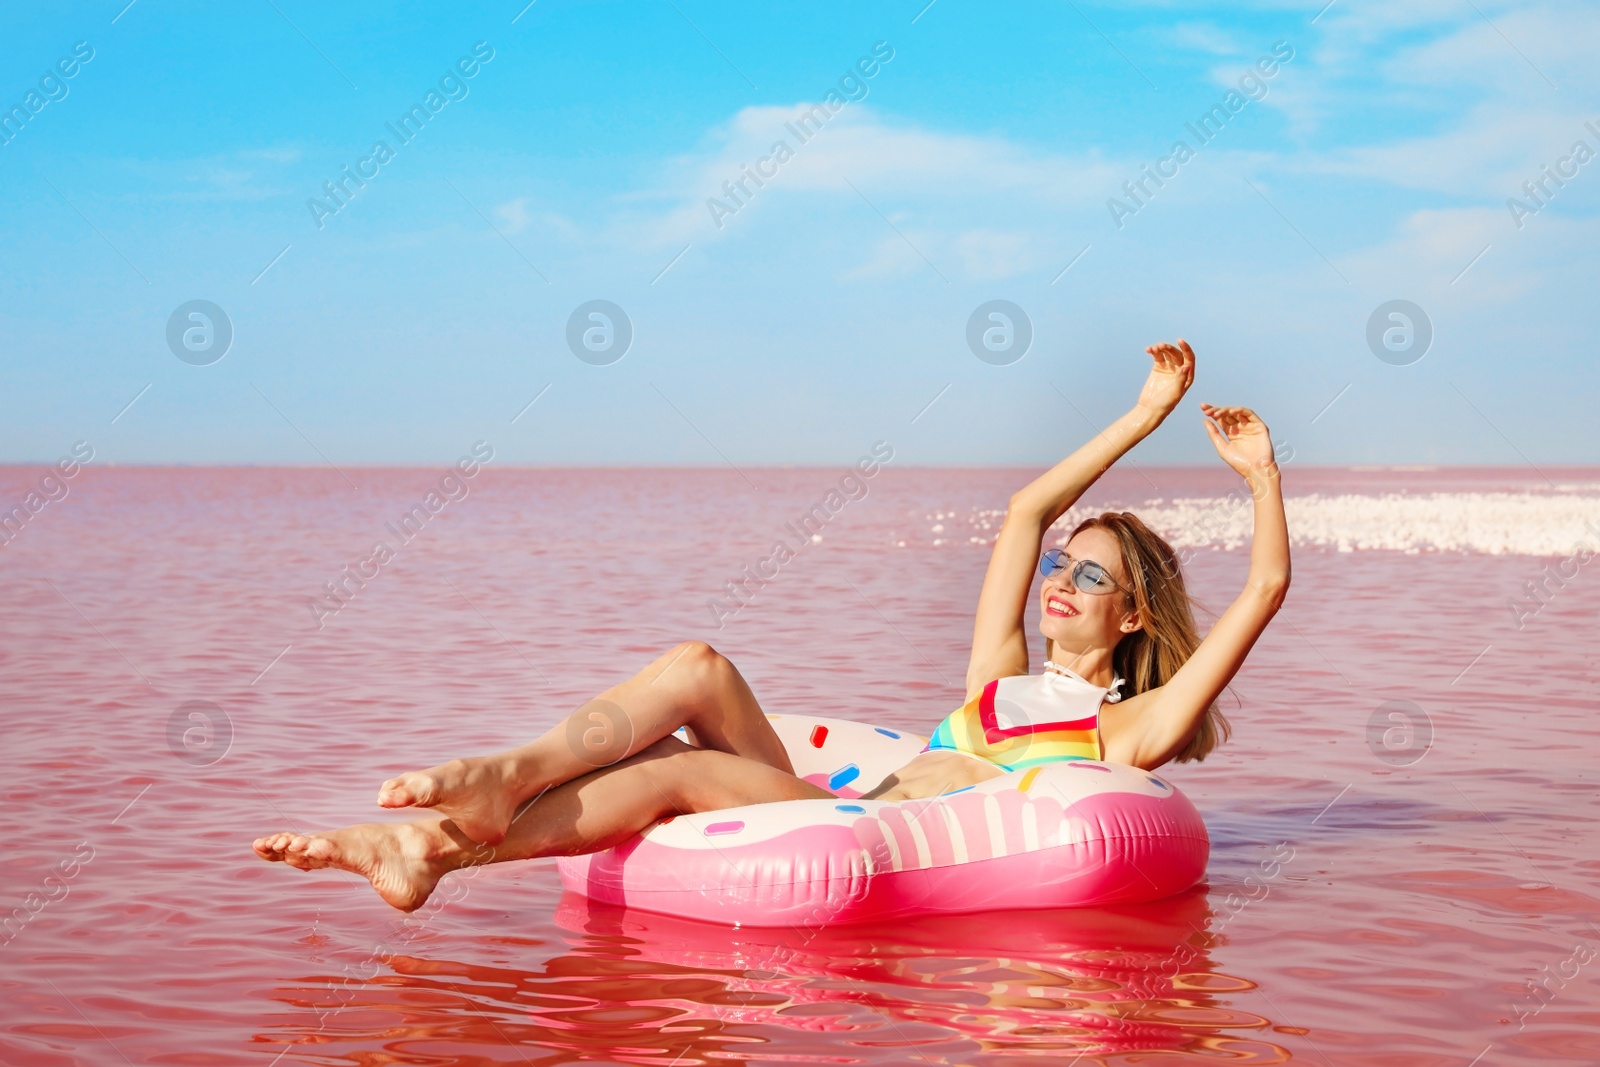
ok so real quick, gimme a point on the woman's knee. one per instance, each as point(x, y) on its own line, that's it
point(695, 666)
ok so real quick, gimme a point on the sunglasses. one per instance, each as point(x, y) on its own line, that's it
point(1087, 575)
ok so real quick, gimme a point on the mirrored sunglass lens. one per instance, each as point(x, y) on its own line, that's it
point(1090, 576)
point(1050, 562)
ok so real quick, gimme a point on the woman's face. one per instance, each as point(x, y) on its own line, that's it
point(1077, 621)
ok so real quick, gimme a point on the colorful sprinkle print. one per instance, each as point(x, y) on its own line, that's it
point(844, 776)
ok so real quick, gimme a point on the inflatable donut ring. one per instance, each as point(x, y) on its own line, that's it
point(1071, 834)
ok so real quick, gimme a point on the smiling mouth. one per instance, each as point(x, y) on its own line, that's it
point(1059, 607)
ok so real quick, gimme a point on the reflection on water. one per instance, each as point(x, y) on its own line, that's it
point(632, 987)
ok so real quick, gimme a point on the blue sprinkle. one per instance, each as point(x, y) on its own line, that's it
point(1158, 781)
point(853, 809)
point(886, 733)
point(953, 792)
point(844, 776)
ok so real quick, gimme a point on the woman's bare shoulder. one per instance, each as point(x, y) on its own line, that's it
point(1125, 733)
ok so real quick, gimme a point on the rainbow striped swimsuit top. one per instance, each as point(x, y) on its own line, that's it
point(1025, 720)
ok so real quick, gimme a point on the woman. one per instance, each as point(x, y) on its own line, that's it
point(1126, 679)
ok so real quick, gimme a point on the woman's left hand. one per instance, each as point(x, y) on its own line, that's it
point(1242, 440)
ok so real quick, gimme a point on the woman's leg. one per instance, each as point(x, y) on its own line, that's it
point(690, 685)
point(404, 861)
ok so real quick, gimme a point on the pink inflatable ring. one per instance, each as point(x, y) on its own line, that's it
point(1068, 834)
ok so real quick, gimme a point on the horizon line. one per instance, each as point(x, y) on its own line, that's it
point(1417, 468)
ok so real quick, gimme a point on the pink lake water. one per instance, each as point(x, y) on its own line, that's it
point(1437, 906)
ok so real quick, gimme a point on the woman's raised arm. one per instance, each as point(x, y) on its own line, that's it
point(999, 646)
point(1165, 717)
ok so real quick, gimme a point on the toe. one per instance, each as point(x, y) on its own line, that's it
point(297, 853)
point(394, 794)
point(270, 848)
point(408, 790)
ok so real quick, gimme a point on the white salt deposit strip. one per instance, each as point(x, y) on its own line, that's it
point(1529, 524)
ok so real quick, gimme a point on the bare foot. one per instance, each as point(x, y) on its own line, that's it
point(403, 861)
point(477, 794)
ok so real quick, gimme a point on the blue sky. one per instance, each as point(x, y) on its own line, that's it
point(831, 307)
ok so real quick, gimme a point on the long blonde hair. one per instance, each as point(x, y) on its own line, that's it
point(1149, 657)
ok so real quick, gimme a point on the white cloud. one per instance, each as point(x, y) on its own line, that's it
point(1372, 93)
point(1203, 37)
point(1488, 118)
point(892, 257)
point(514, 213)
point(272, 155)
point(989, 254)
point(1387, 65)
point(977, 206)
point(1440, 42)
point(1490, 153)
point(1433, 243)
point(247, 175)
point(885, 161)
point(521, 214)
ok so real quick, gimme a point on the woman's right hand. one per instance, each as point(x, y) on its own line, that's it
point(1171, 374)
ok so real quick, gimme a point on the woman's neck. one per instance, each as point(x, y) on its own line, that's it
point(1093, 665)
